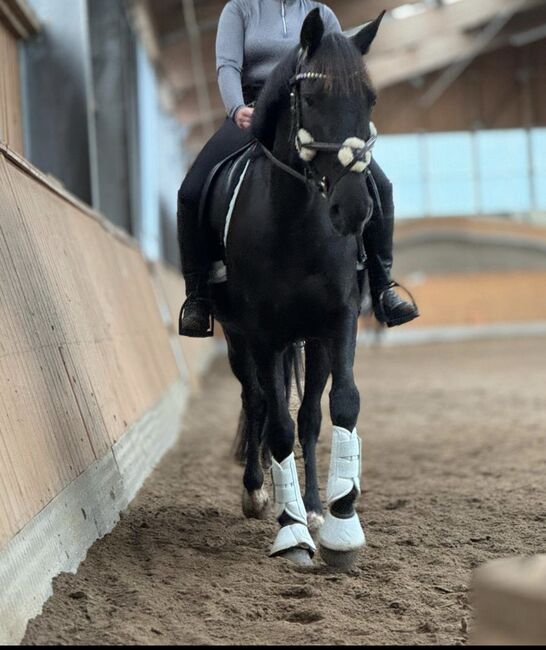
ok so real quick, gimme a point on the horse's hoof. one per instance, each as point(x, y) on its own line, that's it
point(344, 560)
point(340, 540)
point(314, 521)
point(255, 504)
point(299, 556)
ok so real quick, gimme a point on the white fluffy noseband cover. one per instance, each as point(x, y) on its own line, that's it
point(345, 155)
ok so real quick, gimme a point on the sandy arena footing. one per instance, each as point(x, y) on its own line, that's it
point(453, 475)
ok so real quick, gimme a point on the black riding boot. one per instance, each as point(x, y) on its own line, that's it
point(196, 313)
point(388, 307)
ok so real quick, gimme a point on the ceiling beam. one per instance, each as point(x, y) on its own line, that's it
point(443, 50)
point(464, 15)
point(351, 13)
point(141, 18)
point(20, 18)
point(482, 41)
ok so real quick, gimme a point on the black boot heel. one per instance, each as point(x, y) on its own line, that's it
point(392, 310)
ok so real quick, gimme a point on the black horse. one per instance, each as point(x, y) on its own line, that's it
point(291, 256)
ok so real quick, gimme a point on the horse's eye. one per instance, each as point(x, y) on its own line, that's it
point(308, 101)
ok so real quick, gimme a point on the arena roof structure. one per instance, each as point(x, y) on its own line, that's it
point(428, 43)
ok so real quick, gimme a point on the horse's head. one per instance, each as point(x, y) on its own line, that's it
point(332, 102)
point(327, 105)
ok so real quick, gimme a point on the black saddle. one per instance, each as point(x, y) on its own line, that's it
point(219, 188)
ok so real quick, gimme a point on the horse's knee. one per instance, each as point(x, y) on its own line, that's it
point(345, 406)
point(280, 438)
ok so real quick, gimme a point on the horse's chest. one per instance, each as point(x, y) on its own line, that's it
point(300, 304)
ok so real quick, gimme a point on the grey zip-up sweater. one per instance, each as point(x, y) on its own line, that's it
point(253, 36)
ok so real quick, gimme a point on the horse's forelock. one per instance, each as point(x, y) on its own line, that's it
point(342, 67)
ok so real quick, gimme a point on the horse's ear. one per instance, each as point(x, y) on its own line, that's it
point(312, 32)
point(364, 38)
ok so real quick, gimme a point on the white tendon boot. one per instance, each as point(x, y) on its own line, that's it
point(338, 534)
point(287, 497)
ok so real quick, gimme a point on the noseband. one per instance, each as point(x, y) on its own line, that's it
point(354, 154)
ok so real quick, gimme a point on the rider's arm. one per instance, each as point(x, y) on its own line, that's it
point(229, 57)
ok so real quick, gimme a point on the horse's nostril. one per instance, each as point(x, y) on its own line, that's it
point(335, 210)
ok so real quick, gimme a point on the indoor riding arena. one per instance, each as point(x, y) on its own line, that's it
point(120, 495)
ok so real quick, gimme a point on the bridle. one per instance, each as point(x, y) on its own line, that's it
point(354, 154)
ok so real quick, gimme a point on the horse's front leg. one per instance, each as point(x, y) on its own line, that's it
point(317, 369)
point(293, 540)
point(341, 535)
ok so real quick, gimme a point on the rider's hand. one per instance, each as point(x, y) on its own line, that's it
point(243, 117)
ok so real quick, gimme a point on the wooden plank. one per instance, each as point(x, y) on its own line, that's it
point(11, 128)
point(83, 349)
point(478, 298)
point(19, 18)
point(510, 602)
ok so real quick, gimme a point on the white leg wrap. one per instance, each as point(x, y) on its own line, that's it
point(286, 487)
point(293, 536)
point(341, 534)
point(344, 471)
point(287, 497)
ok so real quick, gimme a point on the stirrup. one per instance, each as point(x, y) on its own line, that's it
point(209, 332)
point(381, 309)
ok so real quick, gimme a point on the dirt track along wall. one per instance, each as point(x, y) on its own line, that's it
point(93, 381)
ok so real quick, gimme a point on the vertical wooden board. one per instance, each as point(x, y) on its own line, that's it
point(46, 440)
point(102, 291)
point(83, 349)
point(538, 82)
point(52, 308)
point(11, 130)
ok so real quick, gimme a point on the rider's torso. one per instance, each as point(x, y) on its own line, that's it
point(271, 28)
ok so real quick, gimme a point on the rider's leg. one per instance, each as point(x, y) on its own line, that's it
point(389, 308)
point(195, 317)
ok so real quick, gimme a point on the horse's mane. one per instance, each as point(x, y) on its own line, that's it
point(344, 73)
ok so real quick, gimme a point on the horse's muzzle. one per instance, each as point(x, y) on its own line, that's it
point(350, 209)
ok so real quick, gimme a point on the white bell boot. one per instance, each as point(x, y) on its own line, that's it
point(343, 534)
point(287, 498)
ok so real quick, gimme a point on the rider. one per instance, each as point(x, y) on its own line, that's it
point(253, 36)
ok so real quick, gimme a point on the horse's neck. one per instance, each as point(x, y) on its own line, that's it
point(290, 195)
